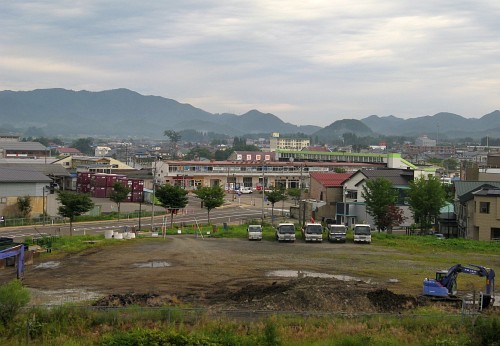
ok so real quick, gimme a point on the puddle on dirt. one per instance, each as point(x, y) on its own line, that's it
point(62, 296)
point(152, 264)
point(304, 273)
point(48, 265)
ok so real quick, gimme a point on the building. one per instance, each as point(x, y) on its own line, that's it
point(282, 143)
point(353, 209)
point(424, 141)
point(251, 156)
point(477, 208)
point(68, 151)
point(328, 188)
point(22, 150)
point(235, 174)
point(15, 182)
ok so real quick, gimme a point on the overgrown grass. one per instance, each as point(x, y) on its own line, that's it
point(69, 325)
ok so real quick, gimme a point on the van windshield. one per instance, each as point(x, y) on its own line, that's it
point(254, 229)
point(362, 230)
point(314, 229)
point(286, 229)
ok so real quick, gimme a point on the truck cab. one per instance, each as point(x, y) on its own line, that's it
point(312, 232)
point(285, 232)
point(362, 233)
point(254, 232)
point(337, 233)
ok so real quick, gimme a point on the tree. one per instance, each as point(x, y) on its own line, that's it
point(119, 194)
point(13, 296)
point(294, 194)
point(24, 206)
point(211, 197)
point(394, 217)
point(173, 198)
point(84, 145)
point(275, 195)
point(198, 152)
point(174, 137)
point(426, 197)
point(379, 195)
point(73, 205)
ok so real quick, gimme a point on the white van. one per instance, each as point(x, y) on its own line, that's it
point(362, 233)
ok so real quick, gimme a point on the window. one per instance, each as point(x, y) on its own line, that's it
point(484, 207)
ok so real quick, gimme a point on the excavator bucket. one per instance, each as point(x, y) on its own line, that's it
point(485, 301)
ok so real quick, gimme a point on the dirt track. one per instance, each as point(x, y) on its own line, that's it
point(226, 274)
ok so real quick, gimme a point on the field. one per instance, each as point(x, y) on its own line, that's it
point(220, 273)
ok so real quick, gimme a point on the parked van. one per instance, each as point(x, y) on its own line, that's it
point(312, 232)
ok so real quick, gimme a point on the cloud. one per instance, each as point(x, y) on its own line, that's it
point(308, 62)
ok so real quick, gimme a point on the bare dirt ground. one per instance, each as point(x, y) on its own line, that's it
point(227, 274)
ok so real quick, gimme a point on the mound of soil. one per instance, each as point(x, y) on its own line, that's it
point(297, 295)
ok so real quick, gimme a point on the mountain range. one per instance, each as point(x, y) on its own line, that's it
point(122, 112)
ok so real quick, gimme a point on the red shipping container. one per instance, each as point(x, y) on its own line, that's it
point(99, 192)
point(137, 197)
point(138, 185)
point(109, 191)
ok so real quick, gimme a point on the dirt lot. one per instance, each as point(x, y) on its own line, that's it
point(230, 274)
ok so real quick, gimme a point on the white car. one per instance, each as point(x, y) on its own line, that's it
point(246, 190)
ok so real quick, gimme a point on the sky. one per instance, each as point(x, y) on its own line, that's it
point(307, 62)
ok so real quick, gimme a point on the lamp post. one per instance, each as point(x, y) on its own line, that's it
point(43, 205)
point(153, 197)
point(263, 190)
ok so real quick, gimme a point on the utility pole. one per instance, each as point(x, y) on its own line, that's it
point(153, 197)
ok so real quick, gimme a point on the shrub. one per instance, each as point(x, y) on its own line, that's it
point(13, 296)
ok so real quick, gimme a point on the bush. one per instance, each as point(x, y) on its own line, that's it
point(13, 296)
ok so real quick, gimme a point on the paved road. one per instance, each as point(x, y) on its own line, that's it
point(230, 215)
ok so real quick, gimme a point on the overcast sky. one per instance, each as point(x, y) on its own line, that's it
point(308, 62)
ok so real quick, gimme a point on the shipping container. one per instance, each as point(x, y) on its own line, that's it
point(99, 192)
point(137, 197)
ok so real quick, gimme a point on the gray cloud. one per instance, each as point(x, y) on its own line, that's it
point(307, 62)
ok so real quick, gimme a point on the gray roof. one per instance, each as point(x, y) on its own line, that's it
point(10, 175)
point(464, 189)
point(35, 146)
point(46, 169)
point(398, 177)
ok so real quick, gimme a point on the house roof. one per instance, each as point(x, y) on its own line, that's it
point(34, 146)
point(68, 151)
point(11, 175)
point(464, 189)
point(330, 179)
point(398, 177)
point(46, 169)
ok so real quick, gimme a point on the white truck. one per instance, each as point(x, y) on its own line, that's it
point(254, 232)
point(312, 232)
point(362, 233)
point(285, 232)
point(336, 233)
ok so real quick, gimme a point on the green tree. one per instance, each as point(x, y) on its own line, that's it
point(119, 194)
point(294, 194)
point(24, 206)
point(275, 195)
point(73, 205)
point(173, 198)
point(379, 194)
point(211, 197)
point(13, 296)
point(198, 152)
point(85, 145)
point(426, 197)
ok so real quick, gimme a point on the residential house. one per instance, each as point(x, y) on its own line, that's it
point(327, 187)
point(354, 209)
point(477, 207)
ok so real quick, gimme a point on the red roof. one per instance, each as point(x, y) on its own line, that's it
point(330, 179)
point(68, 151)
